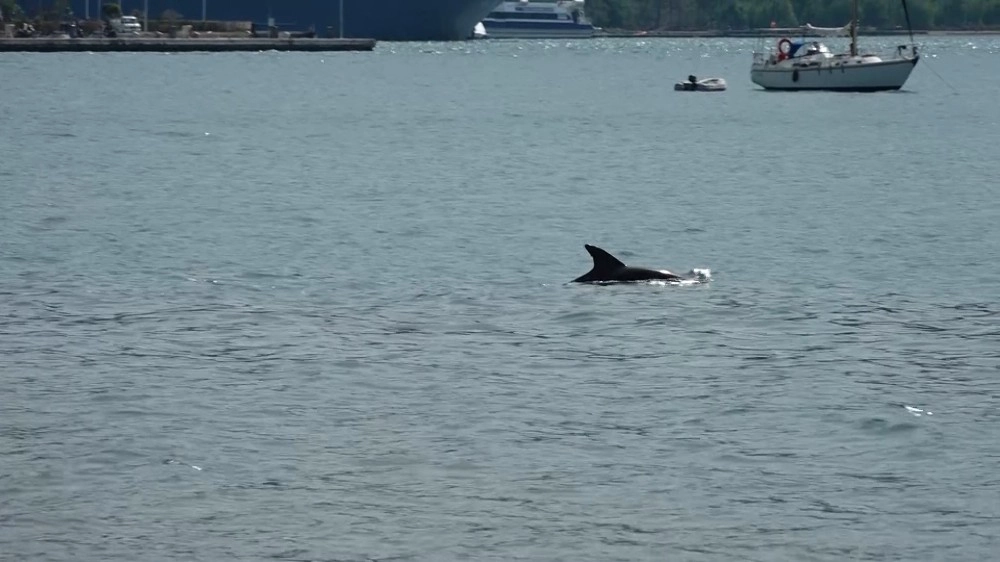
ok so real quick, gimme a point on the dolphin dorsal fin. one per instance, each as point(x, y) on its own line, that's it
point(603, 261)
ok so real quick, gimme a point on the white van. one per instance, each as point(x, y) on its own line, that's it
point(126, 24)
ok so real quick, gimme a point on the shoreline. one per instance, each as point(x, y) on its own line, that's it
point(178, 45)
point(785, 32)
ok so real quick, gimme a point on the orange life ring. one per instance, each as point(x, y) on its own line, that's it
point(783, 53)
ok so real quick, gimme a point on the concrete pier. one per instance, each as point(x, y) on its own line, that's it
point(177, 45)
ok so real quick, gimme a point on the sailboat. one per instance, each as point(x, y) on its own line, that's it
point(810, 65)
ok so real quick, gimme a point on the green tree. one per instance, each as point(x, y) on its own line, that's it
point(732, 16)
point(111, 10)
point(921, 14)
point(742, 14)
point(875, 14)
point(612, 13)
point(952, 13)
point(762, 12)
point(11, 11)
point(991, 14)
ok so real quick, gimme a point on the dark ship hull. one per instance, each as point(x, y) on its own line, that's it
point(384, 20)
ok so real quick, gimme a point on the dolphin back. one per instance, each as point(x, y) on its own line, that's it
point(605, 266)
point(609, 268)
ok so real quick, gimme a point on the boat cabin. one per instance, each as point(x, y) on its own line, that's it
point(788, 49)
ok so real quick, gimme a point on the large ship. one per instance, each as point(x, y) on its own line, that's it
point(384, 20)
point(538, 19)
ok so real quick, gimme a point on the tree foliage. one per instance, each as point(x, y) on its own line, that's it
point(111, 10)
point(748, 14)
point(11, 11)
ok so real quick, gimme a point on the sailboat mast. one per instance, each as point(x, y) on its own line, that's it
point(854, 28)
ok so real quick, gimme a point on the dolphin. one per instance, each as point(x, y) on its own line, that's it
point(609, 268)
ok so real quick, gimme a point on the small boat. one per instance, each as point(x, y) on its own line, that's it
point(692, 84)
point(479, 32)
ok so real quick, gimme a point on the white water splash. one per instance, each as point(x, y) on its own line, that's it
point(175, 461)
point(697, 276)
point(917, 412)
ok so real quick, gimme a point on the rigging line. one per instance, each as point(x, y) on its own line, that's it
point(909, 28)
point(929, 67)
point(906, 12)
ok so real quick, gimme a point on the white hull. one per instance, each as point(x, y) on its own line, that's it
point(848, 75)
point(540, 33)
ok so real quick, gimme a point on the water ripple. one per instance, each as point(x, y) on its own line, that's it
point(339, 325)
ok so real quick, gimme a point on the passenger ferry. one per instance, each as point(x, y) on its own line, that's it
point(538, 19)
